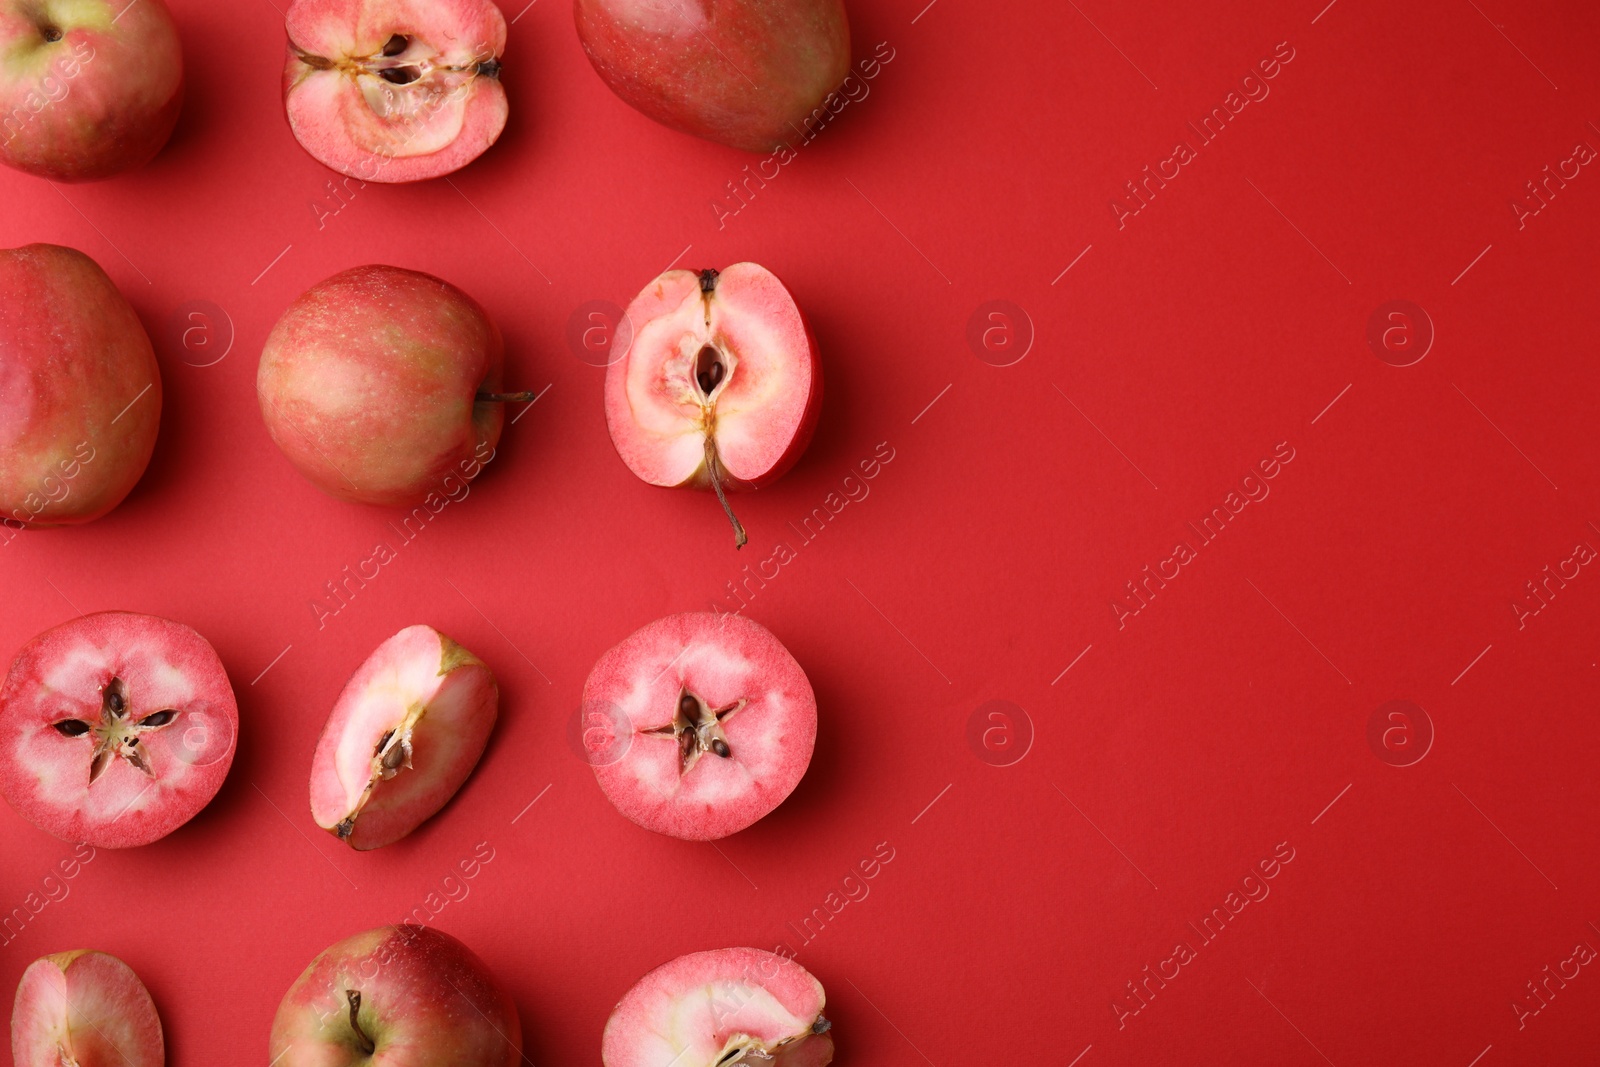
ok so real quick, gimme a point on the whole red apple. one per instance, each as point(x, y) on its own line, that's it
point(720, 385)
point(397, 996)
point(88, 88)
point(80, 390)
point(380, 386)
point(745, 73)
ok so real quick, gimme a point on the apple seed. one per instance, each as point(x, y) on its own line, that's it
point(396, 44)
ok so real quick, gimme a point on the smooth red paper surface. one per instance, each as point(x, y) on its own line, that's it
point(1166, 355)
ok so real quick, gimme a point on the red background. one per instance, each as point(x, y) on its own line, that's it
point(1178, 751)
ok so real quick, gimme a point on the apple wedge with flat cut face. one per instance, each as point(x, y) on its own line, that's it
point(716, 721)
point(726, 1007)
point(404, 735)
point(86, 1009)
point(720, 385)
point(395, 90)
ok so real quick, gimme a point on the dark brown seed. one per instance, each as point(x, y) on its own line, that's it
point(72, 727)
point(394, 757)
point(400, 75)
point(160, 718)
point(384, 740)
point(688, 707)
point(114, 699)
point(396, 44)
point(720, 747)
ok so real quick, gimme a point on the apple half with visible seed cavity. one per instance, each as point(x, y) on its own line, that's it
point(84, 1009)
point(726, 1007)
point(115, 729)
point(720, 722)
point(395, 90)
point(404, 735)
point(397, 996)
point(720, 385)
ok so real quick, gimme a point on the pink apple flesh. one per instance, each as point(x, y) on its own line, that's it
point(380, 386)
point(741, 73)
point(726, 1007)
point(720, 386)
point(80, 389)
point(404, 736)
point(395, 90)
point(84, 1009)
point(88, 88)
point(115, 729)
point(720, 719)
point(397, 996)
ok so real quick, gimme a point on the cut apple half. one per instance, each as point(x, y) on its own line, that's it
point(395, 90)
point(84, 1009)
point(115, 728)
point(721, 723)
point(721, 385)
point(731, 1007)
point(406, 732)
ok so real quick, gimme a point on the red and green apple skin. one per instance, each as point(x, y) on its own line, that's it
point(744, 73)
point(80, 389)
point(88, 88)
point(84, 1009)
point(370, 384)
point(396, 996)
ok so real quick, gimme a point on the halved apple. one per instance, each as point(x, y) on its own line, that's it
point(404, 735)
point(721, 385)
point(85, 1009)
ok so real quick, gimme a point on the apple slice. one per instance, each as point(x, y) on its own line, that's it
point(720, 722)
point(404, 735)
point(395, 90)
point(720, 386)
point(721, 1008)
point(115, 729)
point(84, 1009)
point(397, 996)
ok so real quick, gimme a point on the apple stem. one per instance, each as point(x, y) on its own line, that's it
point(366, 1043)
point(740, 539)
point(485, 397)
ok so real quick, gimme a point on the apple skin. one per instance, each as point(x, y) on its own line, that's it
point(369, 382)
point(75, 431)
point(744, 73)
point(425, 1000)
point(100, 99)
